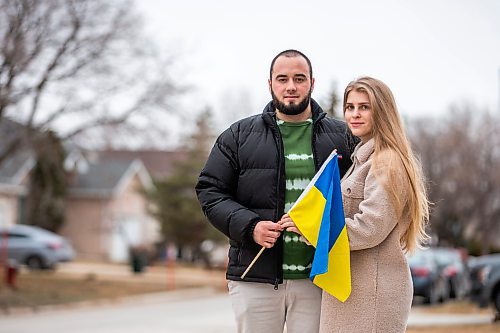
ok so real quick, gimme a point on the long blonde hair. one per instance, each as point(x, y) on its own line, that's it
point(393, 150)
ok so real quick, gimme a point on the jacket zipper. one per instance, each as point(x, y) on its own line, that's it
point(280, 166)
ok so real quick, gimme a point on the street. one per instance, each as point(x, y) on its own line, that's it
point(184, 311)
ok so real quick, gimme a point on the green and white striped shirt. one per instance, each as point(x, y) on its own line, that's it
point(299, 170)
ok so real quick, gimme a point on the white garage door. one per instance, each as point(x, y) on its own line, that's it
point(126, 233)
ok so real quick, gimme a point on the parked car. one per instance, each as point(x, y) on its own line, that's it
point(428, 279)
point(485, 278)
point(35, 247)
point(455, 270)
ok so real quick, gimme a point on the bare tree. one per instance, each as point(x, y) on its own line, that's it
point(81, 67)
point(485, 186)
point(333, 102)
point(461, 157)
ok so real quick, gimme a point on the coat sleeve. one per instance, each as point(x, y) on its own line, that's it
point(216, 188)
point(376, 216)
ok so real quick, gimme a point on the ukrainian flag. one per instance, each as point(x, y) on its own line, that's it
point(319, 215)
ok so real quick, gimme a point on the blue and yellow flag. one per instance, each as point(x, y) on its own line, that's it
point(319, 215)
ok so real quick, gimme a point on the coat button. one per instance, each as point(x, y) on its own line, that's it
point(348, 190)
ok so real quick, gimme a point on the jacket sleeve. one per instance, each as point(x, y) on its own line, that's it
point(376, 216)
point(217, 186)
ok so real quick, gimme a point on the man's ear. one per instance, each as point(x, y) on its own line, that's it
point(270, 85)
point(312, 84)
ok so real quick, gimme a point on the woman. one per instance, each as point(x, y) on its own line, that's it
point(386, 208)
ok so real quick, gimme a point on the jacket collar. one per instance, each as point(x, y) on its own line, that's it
point(269, 112)
point(363, 151)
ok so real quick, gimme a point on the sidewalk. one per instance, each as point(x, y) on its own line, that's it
point(419, 318)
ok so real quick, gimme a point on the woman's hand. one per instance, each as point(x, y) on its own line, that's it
point(287, 223)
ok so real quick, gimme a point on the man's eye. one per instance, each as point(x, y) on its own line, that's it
point(281, 80)
point(299, 79)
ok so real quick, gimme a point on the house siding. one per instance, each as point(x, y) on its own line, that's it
point(84, 227)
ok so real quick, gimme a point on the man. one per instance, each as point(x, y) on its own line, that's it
point(255, 172)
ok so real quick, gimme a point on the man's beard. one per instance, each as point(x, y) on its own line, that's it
point(291, 109)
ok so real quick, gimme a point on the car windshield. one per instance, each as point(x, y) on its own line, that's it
point(446, 257)
point(419, 258)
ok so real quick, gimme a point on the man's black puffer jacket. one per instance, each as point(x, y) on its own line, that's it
point(243, 182)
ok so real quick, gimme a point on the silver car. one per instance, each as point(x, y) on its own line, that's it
point(35, 247)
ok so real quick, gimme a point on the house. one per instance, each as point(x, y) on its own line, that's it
point(106, 211)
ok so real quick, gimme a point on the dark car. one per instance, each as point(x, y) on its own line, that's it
point(485, 278)
point(455, 270)
point(35, 247)
point(428, 279)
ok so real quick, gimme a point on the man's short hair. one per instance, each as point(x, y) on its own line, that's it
point(291, 53)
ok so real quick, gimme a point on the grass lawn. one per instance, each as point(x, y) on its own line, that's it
point(45, 288)
point(72, 283)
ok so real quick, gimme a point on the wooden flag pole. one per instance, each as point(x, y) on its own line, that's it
point(253, 262)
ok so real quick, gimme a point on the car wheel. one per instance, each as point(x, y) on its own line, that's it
point(430, 295)
point(34, 262)
point(496, 299)
point(453, 287)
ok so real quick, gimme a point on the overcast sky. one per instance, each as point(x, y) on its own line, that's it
point(431, 53)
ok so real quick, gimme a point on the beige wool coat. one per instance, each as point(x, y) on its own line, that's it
point(382, 288)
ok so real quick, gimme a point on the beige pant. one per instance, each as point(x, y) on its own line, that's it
point(261, 309)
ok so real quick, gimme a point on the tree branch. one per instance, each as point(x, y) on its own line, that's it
point(55, 61)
